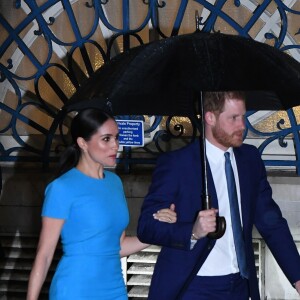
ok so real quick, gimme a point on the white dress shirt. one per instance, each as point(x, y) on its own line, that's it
point(222, 259)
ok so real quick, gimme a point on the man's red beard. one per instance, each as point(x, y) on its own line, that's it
point(227, 140)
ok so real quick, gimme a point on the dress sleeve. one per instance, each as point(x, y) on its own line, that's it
point(57, 202)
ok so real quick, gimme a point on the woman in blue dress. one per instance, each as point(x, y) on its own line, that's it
point(86, 206)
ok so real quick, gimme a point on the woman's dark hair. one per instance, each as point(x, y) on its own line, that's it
point(85, 124)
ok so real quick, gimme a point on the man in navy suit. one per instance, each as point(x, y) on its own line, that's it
point(192, 265)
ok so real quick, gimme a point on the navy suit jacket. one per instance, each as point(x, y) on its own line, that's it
point(177, 179)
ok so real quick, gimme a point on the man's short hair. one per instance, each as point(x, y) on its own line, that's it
point(214, 101)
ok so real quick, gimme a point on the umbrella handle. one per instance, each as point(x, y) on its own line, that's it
point(221, 222)
point(221, 227)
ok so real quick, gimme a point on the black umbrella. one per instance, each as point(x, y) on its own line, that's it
point(167, 76)
point(161, 78)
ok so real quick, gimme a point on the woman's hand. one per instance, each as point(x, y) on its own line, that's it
point(297, 286)
point(167, 215)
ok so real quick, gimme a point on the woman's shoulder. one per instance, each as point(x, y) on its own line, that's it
point(65, 179)
point(112, 177)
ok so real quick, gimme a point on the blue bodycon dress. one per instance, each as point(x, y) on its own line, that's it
point(95, 213)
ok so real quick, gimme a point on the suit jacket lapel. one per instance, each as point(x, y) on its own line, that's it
point(244, 177)
point(212, 188)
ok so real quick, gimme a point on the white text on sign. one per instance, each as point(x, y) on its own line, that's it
point(131, 133)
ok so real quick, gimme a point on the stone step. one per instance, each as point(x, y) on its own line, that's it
point(143, 257)
point(19, 296)
point(139, 280)
point(152, 248)
point(15, 275)
point(19, 253)
point(18, 241)
point(25, 253)
point(20, 287)
point(13, 263)
point(20, 264)
point(139, 292)
point(141, 268)
point(20, 275)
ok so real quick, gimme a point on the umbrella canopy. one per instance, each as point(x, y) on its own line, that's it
point(163, 77)
point(167, 76)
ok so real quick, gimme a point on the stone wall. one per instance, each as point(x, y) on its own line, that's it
point(23, 191)
point(21, 199)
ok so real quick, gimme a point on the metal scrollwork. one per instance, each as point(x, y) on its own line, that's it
point(70, 60)
point(9, 64)
point(280, 123)
point(237, 3)
point(161, 4)
point(87, 4)
point(18, 3)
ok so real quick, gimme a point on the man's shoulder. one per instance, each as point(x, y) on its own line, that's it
point(182, 157)
point(248, 147)
point(191, 147)
point(247, 150)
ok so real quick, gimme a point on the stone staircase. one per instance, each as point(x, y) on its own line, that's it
point(139, 271)
point(19, 253)
point(140, 267)
point(15, 267)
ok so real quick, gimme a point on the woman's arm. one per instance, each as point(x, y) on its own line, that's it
point(131, 244)
point(297, 286)
point(49, 236)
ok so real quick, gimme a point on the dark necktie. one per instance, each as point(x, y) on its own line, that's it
point(235, 218)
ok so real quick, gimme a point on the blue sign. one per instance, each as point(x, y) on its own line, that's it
point(131, 133)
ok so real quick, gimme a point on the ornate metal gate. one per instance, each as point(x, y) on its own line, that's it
point(48, 49)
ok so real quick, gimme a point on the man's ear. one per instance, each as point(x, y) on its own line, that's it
point(81, 143)
point(210, 118)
